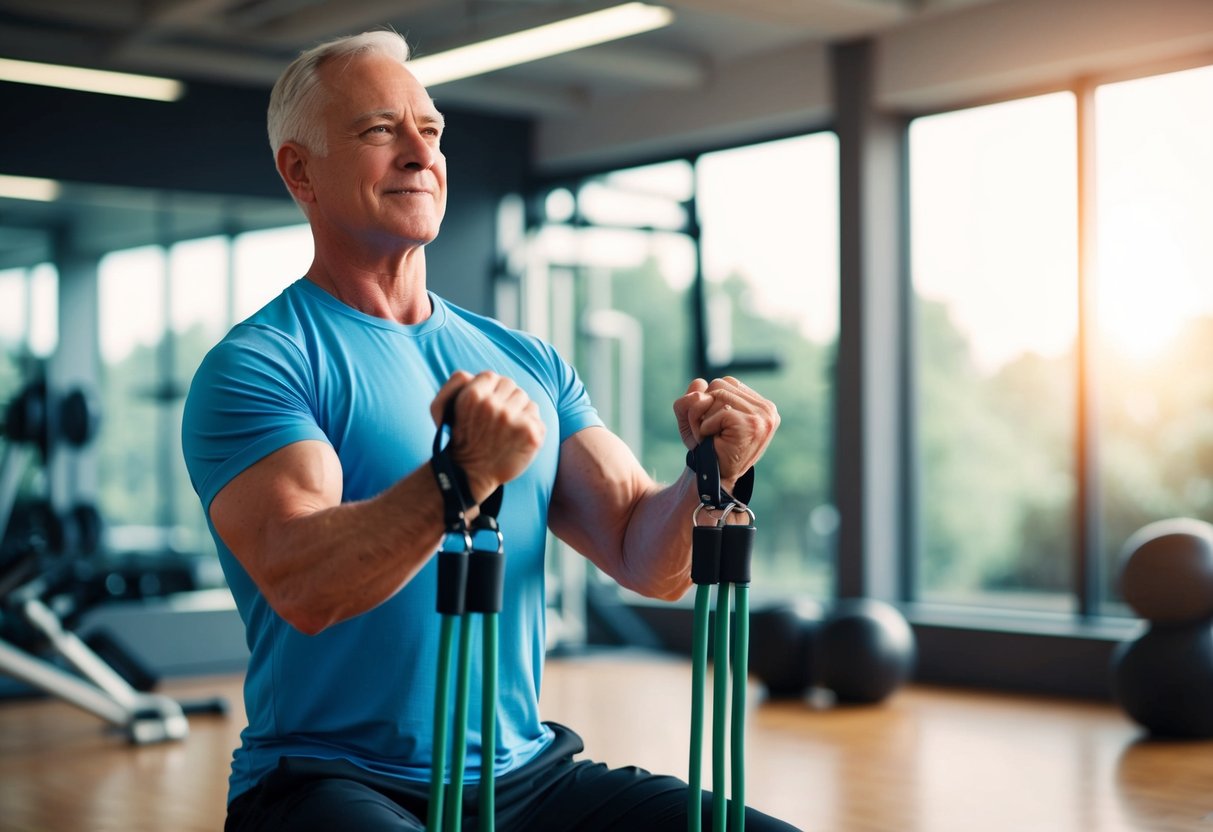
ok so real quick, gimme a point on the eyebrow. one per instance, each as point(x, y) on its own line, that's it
point(393, 115)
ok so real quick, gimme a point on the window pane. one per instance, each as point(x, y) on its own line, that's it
point(198, 314)
point(132, 322)
point(994, 269)
point(266, 262)
point(617, 308)
point(44, 310)
point(1154, 304)
point(646, 197)
point(12, 332)
point(769, 215)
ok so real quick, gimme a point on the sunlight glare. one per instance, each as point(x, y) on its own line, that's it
point(1155, 209)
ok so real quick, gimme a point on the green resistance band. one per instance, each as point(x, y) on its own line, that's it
point(471, 572)
point(720, 556)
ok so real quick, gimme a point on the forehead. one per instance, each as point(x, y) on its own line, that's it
point(373, 83)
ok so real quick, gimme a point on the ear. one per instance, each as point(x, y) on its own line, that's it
point(292, 162)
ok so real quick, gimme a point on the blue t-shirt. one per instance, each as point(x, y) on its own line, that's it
point(307, 366)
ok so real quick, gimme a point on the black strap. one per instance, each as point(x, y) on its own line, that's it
point(703, 461)
point(453, 483)
point(466, 583)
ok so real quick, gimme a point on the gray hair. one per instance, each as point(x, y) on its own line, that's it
point(298, 96)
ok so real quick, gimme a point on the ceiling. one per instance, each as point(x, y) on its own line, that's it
point(248, 42)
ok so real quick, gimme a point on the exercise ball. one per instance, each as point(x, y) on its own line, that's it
point(865, 650)
point(781, 647)
point(1167, 571)
point(1164, 679)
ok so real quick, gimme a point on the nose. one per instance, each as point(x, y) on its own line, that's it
point(416, 152)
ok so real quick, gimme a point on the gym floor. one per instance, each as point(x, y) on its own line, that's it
point(926, 760)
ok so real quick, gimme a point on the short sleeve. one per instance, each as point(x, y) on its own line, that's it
point(252, 395)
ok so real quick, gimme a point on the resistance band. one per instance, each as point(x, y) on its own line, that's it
point(720, 556)
point(470, 580)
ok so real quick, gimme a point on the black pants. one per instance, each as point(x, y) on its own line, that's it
point(552, 793)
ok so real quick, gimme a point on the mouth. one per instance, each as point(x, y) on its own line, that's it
point(407, 192)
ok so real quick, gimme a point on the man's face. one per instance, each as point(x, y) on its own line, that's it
point(384, 177)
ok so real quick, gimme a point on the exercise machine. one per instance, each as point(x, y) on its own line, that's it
point(37, 579)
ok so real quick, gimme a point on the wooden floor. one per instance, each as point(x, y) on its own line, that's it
point(927, 760)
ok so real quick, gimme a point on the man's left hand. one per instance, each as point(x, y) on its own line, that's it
point(741, 421)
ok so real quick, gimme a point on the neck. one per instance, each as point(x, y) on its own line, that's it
point(394, 290)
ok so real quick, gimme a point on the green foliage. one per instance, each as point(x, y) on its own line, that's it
point(999, 457)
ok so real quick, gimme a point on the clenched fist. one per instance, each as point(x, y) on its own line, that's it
point(497, 429)
point(741, 421)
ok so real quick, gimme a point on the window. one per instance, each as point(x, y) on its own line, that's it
point(994, 239)
point(28, 323)
point(1154, 303)
point(993, 219)
point(160, 311)
point(621, 254)
point(769, 214)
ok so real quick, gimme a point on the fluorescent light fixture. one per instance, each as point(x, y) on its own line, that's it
point(541, 42)
point(28, 187)
point(91, 80)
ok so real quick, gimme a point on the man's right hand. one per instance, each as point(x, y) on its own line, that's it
point(497, 429)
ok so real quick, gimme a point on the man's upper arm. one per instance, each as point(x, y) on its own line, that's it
point(249, 511)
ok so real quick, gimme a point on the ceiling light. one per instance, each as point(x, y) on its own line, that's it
point(544, 41)
point(91, 80)
point(28, 187)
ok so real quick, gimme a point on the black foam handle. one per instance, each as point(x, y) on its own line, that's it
point(736, 553)
point(452, 582)
point(486, 581)
point(705, 554)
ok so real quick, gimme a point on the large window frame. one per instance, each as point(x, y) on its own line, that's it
point(703, 356)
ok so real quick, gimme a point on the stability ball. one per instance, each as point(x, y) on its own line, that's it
point(1167, 571)
point(781, 647)
point(1164, 680)
point(865, 650)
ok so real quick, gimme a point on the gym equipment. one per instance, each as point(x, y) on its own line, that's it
point(865, 649)
point(1164, 679)
point(860, 650)
point(781, 647)
point(1167, 571)
point(39, 571)
point(720, 556)
point(470, 580)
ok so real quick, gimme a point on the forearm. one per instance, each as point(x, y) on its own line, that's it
point(610, 510)
point(332, 564)
point(656, 545)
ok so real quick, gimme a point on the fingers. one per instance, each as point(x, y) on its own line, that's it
point(731, 400)
point(453, 385)
point(741, 421)
point(689, 410)
point(497, 428)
